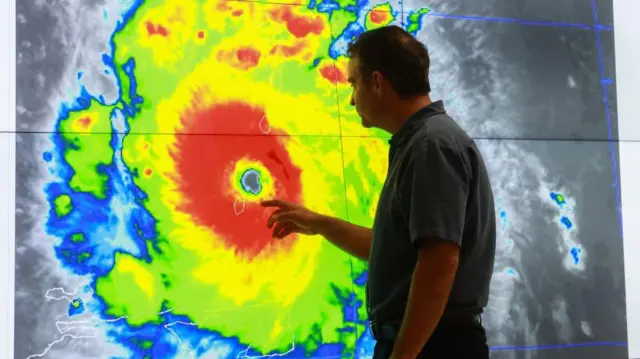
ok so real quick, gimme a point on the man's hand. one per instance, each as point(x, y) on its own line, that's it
point(291, 218)
point(431, 285)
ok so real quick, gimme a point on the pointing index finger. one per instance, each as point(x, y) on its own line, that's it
point(273, 203)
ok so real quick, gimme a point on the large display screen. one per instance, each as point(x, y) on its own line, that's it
point(141, 136)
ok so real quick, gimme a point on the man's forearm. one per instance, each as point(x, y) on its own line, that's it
point(430, 289)
point(351, 238)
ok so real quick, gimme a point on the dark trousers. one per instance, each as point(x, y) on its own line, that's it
point(460, 338)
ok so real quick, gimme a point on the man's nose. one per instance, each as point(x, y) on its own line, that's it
point(353, 101)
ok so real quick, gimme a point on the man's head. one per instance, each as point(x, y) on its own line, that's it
point(387, 67)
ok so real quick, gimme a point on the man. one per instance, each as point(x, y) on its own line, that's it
point(432, 246)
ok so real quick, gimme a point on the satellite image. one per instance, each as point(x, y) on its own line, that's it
point(149, 131)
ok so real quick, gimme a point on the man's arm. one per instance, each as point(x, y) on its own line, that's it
point(430, 287)
point(434, 191)
point(351, 238)
point(292, 218)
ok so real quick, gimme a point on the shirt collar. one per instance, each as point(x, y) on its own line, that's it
point(413, 121)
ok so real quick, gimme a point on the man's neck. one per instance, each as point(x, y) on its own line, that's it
point(405, 109)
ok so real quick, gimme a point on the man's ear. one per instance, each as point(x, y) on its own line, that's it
point(377, 81)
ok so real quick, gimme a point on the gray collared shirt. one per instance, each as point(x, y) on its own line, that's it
point(437, 186)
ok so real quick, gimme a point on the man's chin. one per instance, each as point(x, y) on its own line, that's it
point(366, 123)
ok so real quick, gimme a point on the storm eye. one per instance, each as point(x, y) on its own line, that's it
point(251, 181)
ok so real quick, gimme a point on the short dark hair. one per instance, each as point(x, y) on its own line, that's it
point(400, 57)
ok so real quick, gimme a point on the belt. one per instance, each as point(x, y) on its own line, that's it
point(384, 332)
point(389, 331)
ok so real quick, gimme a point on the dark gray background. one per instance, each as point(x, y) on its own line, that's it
point(545, 78)
point(594, 296)
point(531, 95)
point(566, 11)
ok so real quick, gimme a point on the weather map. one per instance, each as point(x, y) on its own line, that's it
point(157, 201)
point(149, 241)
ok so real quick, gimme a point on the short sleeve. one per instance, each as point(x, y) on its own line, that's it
point(433, 192)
